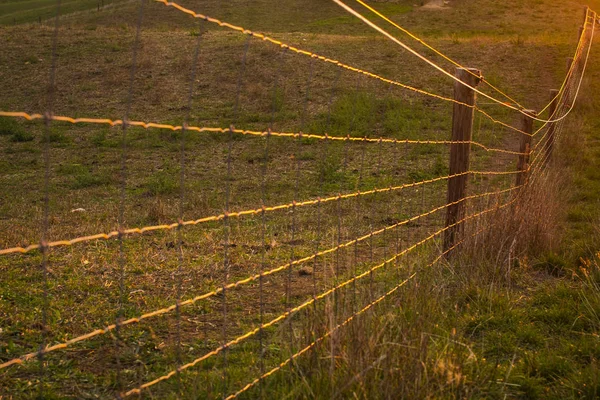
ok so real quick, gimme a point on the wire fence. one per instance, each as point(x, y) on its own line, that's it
point(266, 240)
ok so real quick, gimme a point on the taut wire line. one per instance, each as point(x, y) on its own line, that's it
point(305, 304)
point(431, 63)
point(436, 51)
point(308, 53)
point(237, 214)
point(349, 319)
point(236, 284)
point(293, 135)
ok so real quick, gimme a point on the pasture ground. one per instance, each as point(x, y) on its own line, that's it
point(486, 326)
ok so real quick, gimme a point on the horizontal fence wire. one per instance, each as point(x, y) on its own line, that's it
point(255, 211)
point(292, 135)
point(436, 51)
point(320, 296)
point(349, 319)
point(537, 156)
point(245, 281)
point(438, 67)
point(326, 59)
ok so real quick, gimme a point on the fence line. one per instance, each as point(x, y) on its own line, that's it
point(372, 75)
point(436, 51)
point(299, 135)
point(321, 58)
point(349, 319)
point(314, 299)
point(245, 281)
point(237, 214)
point(436, 66)
point(536, 156)
point(571, 68)
point(298, 50)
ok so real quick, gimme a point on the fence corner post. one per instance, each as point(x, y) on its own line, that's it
point(525, 147)
point(462, 130)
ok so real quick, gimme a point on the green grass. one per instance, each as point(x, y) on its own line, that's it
point(14, 12)
point(518, 326)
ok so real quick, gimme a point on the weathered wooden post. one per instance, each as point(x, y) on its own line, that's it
point(525, 148)
point(569, 63)
point(462, 130)
point(552, 125)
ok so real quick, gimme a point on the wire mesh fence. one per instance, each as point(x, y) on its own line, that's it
point(220, 253)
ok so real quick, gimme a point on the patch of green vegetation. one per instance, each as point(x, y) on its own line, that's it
point(552, 264)
point(330, 170)
point(21, 135)
point(80, 176)
point(101, 138)
point(161, 183)
point(9, 126)
point(18, 12)
point(57, 137)
point(439, 168)
point(86, 179)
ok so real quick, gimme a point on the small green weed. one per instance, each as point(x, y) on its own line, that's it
point(21, 136)
point(8, 126)
point(161, 183)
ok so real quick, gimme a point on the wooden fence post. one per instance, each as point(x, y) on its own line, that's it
point(462, 129)
point(552, 127)
point(525, 148)
point(569, 63)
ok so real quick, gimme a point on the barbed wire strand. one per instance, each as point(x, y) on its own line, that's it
point(292, 135)
point(237, 214)
point(307, 303)
point(536, 169)
point(238, 283)
point(309, 53)
point(349, 319)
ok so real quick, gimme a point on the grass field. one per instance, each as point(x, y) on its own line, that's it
point(493, 324)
